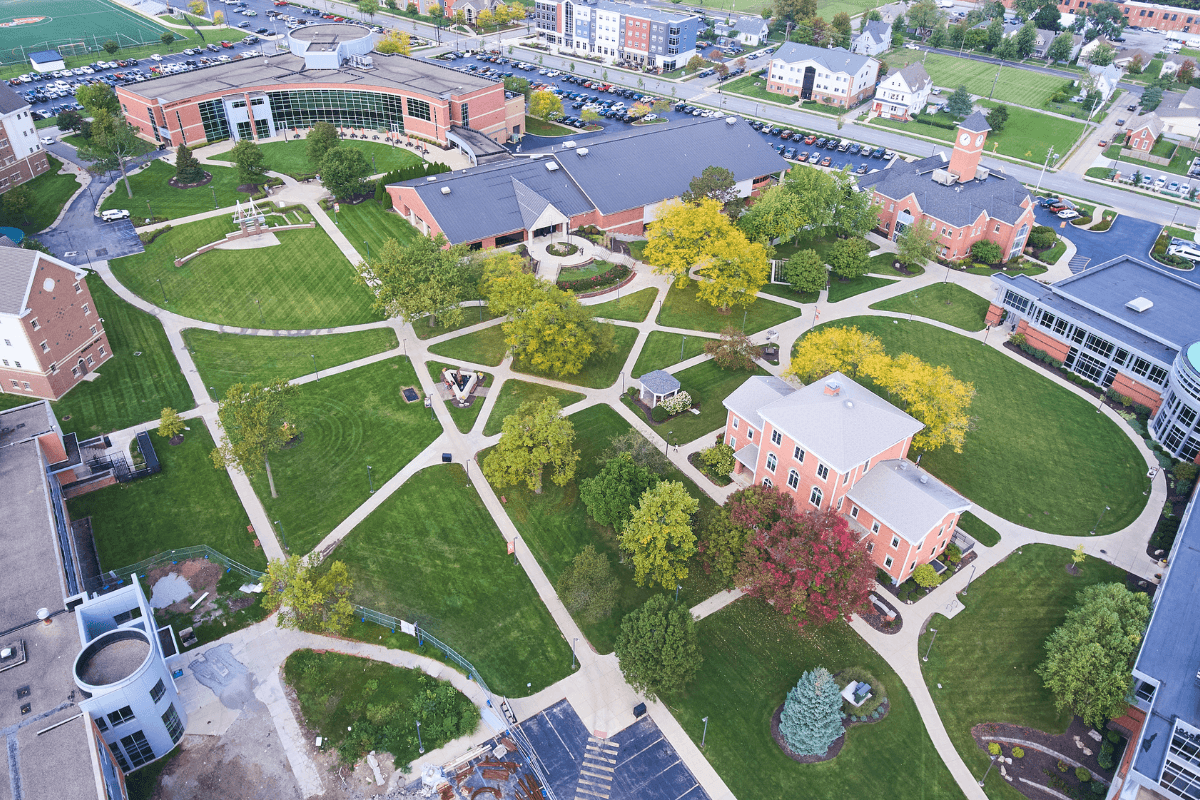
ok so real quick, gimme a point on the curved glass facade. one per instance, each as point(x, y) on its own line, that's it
point(1175, 426)
point(303, 108)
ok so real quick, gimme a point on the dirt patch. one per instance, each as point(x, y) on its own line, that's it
point(295, 441)
point(180, 185)
point(202, 576)
point(249, 188)
point(1041, 766)
point(175, 440)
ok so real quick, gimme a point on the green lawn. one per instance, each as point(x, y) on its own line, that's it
point(224, 359)
point(291, 157)
point(708, 385)
point(599, 372)
point(369, 225)
point(1027, 135)
point(1033, 444)
point(1015, 85)
point(484, 346)
point(555, 525)
point(682, 309)
point(48, 193)
point(630, 308)
point(752, 657)
point(979, 530)
point(458, 581)
point(303, 282)
point(662, 349)
point(514, 392)
point(755, 86)
point(786, 291)
point(349, 421)
point(131, 388)
point(839, 291)
point(984, 658)
point(154, 197)
point(945, 302)
point(540, 127)
point(189, 503)
point(464, 418)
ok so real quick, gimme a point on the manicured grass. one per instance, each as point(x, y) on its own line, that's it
point(945, 302)
point(458, 580)
point(540, 127)
point(662, 349)
point(786, 291)
point(291, 157)
point(682, 309)
point(600, 371)
point(555, 525)
point(839, 291)
point(514, 392)
point(484, 346)
point(984, 658)
point(474, 315)
point(630, 308)
point(48, 193)
point(1029, 269)
point(752, 657)
point(1015, 85)
point(755, 85)
point(150, 186)
point(979, 530)
point(224, 359)
point(131, 388)
point(189, 503)
point(369, 225)
point(464, 418)
point(349, 421)
point(637, 248)
point(303, 282)
point(1033, 443)
point(708, 385)
point(1027, 135)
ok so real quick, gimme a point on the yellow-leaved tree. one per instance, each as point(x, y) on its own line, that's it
point(534, 437)
point(849, 351)
point(681, 236)
point(659, 536)
point(737, 269)
point(542, 104)
point(934, 396)
point(396, 42)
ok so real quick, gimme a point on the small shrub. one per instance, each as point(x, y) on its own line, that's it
point(882, 577)
point(659, 414)
point(677, 404)
point(719, 459)
point(1082, 775)
point(953, 553)
point(1062, 766)
point(994, 748)
point(1018, 752)
point(926, 576)
point(1113, 737)
point(1017, 338)
point(1182, 472)
point(1098, 788)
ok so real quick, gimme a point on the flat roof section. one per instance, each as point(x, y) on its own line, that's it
point(326, 38)
point(287, 71)
point(34, 579)
point(24, 422)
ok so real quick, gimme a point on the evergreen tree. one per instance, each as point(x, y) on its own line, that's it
point(812, 714)
point(187, 168)
point(959, 104)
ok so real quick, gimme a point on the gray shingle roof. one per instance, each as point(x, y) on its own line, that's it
point(834, 59)
point(1175, 104)
point(894, 493)
point(10, 101)
point(756, 392)
point(958, 205)
point(1149, 120)
point(915, 76)
point(659, 382)
point(16, 273)
point(878, 30)
point(976, 123)
point(530, 203)
point(748, 455)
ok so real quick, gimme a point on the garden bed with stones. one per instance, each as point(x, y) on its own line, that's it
point(1045, 755)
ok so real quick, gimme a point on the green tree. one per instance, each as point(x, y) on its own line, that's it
point(714, 183)
point(395, 42)
point(1088, 657)
point(612, 495)
point(997, 118)
point(589, 115)
point(694, 64)
point(640, 449)
point(187, 167)
point(940, 37)
point(1048, 17)
point(97, 97)
point(1026, 39)
point(848, 257)
point(542, 104)
point(517, 84)
point(1061, 47)
point(588, 587)
point(110, 143)
point(915, 245)
point(659, 536)
point(309, 596)
point(255, 419)
point(722, 540)
point(170, 424)
point(69, 120)
point(534, 437)
point(368, 8)
point(733, 350)
point(657, 647)
point(841, 24)
point(995, 33)
point(735, 269)
point(1102, 55)
point(811, 720)
point(925, 575)
point(836, 349)
point(805, 271)
point(1151, 97)
point(1108, 19)
point(167, 39)
point(959, 104)
point(1007, 51)
point(17, 200)
point(425, 278)
point(250, 162)
point(777, 214)
point(987, 252)
point(854, 212)
point(320, 139)
point(343, 170)
point(111, 47)
point(923, 15)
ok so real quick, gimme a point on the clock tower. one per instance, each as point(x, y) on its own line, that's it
point(968, 146)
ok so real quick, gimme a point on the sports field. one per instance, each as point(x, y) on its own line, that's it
point(1014, 85)
point(70, 26)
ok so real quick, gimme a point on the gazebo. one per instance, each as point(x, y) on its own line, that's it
point(658, 386)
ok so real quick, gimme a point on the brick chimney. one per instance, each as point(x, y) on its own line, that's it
point(968, 146)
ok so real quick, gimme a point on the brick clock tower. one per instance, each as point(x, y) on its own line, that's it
point(968, 146)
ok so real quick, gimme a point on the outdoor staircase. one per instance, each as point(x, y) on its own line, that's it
point(596, 772)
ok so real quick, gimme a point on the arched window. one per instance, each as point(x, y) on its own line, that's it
point(816, 496)
point(793, 479)
point(767, 482)
point(771, 462)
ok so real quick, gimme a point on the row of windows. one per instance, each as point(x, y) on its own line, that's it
point(1102, 347)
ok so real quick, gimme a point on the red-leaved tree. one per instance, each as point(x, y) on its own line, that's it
point(808, 564)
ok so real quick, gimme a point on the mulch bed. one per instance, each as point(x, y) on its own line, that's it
point(1040, 767)
point(639, 406)
point(207, 180)
point(834, 748)
point(697, 462)
point(175, 440)
point(878, 621)
point(294, 441)
point(612, 288)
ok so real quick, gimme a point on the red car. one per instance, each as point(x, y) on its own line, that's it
point(227, 45)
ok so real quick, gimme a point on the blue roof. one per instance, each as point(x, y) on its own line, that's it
point(659, 381)
point(44, 56)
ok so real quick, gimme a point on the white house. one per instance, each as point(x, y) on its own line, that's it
point(1171, 65)
point(903, 94)
point(876, 37)
point(1180, 114)
point(1104, 79)
point(751, 31)
point(833, 76)
point(892, 12)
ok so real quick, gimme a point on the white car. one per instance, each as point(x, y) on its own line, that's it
point(911, 46)
point(156, 57)
point(47, 140)
point(1068, 214)
point(114, 214)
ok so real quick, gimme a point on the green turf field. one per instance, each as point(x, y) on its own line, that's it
point(71, 27)
point(1014, 85)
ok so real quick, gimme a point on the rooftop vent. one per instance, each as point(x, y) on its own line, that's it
point(1139, 304)
point(944, 176)
point(982, 173)
point(551, 166)
point(833, 388)
point(924, 479)
point(431, 178)
point(445, 190)
point(731, 120)
point(568, 145)
point(848, 403)
point(583, 151)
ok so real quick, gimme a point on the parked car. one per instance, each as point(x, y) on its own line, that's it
point(114, 214)
point(1068, 214)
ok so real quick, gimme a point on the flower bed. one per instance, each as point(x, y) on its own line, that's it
point(613, 275)
point(562, 249)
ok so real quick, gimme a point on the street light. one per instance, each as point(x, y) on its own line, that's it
point(989, 769)
point(370, 482)
point(164, 291)
point(315, 370)
point(681, 344)
point(282, 538)
point(969, 578)
point(931, 641)
point(368, 244)
point(214, 191)
point(704, 735)
point(573, 651)
point(420, 745)
point(1097, 525)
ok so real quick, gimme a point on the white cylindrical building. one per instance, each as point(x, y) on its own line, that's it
point(1176, 426)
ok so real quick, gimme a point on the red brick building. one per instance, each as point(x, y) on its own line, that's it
point(51, 335)
point(837, 446)
point(961, 200)
point(1143, 131)
point(21, 155)
point(1144, 15)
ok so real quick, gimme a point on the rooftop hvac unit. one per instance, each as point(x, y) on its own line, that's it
point(431, 178)
point(1140, 304)
point(944, 177)
point(731, 120)
point(583, 151)
point(568, 145)
point(551, 166)
point(445, 190)
point(982, 173)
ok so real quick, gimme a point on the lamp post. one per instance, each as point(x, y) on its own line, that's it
point(1097, 525)
point(368, 244)
point(370, 482)
point(1042, 174)
point(282, 538)
point(969, 579)
point(681, 344)
point(931, 641)
point(420, 744)
point(983, 780)
point(161, 289)
point(677, 587)
point(575, 642)
point(704, 735)
point(514, 551)
point(315, 370)
point(214, 191)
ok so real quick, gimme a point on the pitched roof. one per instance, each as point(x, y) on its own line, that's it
point(10, 101)
point(659, 381)
point(914, 76)
point(1180, 105)
point(1149, 120)
point(530, 203)
point(958, 205)
point(756, 392)
point(17, 269)
point(45, 56)
point(976, 123)
point(834, 59)
point(879, 31)
point(906, 498)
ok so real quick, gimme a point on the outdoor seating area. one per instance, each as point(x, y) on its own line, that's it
point(580, 253)
point(462, 385)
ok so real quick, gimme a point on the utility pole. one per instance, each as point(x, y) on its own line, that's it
point(1049, 154)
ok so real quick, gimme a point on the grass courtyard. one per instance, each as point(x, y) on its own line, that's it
point(752, 657)
point(630, 308)
point(944, 302)
point(291, 157)
point(843, 290)
point(368, 226)
point(224, 359)
point(981, 666)
point(708, 385)
point(303, 282)
point(189, 503)
point(457, 580)
point(350, 421)
point(514, 392)
point(1034, 443)
point(683, 309)
point(154, 197)
point(48, 194)
point(1027, 135)
point(662, 349)
point(485, 346)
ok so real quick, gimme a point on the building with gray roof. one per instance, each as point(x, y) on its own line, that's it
point(615, 183)
point(22, 157)
point(656, 386)
point(1124, 325)
point(875, 38)
point(833, 75)
point(906, 498)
